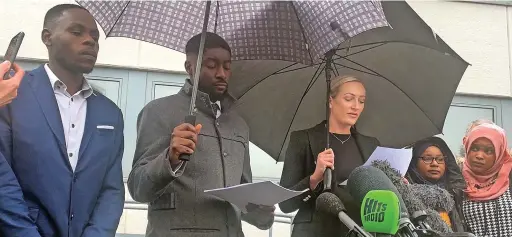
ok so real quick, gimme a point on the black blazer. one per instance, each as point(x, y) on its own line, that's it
point(299, 164)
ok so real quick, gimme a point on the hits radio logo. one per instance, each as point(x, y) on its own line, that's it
point(374, 210)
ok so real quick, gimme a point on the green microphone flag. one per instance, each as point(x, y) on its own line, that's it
point(380, 212)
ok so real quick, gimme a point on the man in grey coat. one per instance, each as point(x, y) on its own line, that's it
point(219, 143)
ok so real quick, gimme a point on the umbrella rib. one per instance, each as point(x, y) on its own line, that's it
point(316, 75)
point(354, 53)
point(296, 69)
point(304, 67)
point(302, 31)
point(367, 44)
point(264, 78)
point(341, 65)
point(380, 75)
point(338, 57)
point(298, 106)
point(118, 18)
point(337, 73)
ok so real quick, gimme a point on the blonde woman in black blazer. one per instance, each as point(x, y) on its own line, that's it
point(306, 160)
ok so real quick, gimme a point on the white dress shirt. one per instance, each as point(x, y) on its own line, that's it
point(73, 111)
point(218, 111)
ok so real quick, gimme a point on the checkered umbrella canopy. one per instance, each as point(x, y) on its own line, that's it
point(409, 72)
point(296, 31)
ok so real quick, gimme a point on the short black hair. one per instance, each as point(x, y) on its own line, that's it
point(55, 12)
point(212, 41)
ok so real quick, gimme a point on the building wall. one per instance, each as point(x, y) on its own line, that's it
point(478, 32)
point(132, 73)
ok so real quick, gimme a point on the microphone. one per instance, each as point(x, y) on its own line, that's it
point(422, 201)
point(364, 179)
point(380, 212)
point(435, 199)
point(331, 204)
point(419, 200)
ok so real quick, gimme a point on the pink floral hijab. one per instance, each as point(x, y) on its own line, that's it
point(500, 169)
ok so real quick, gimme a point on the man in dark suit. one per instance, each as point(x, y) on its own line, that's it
point(63, 140)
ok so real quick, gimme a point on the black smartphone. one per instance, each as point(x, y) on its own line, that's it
point(12, 51)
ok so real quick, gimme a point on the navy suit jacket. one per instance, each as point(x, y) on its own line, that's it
point(14, 218)
point(85, 203)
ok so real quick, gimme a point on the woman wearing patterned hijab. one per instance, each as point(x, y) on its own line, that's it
point(487, 205)
point(434, 164)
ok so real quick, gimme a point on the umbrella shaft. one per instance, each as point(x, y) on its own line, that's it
point(328, 70)
point(195, 81)
point(191, 118)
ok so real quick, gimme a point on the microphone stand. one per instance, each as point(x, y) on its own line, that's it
point(328, 71)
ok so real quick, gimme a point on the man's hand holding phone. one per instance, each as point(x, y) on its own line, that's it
point(9, 88)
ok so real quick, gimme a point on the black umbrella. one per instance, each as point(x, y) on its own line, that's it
point(410, 74)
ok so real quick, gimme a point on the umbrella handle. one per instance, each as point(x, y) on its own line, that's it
point(190, 119)
point(328, 70)
point(327, 179)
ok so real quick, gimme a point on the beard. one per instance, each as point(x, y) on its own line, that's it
point(216, 96)
point(213, 94)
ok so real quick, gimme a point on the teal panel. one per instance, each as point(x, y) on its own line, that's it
point(506, 112)
point(459, 116)
point(135, 98)
point(163, 84)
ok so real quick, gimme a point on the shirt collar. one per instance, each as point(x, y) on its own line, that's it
point(218, 103)
point(86, 90)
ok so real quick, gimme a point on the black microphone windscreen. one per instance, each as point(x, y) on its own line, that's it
point(412, 200)
point(433, 197)
point(367, 178)
point(329, 203)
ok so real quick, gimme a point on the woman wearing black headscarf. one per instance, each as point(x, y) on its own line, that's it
point(434, 164)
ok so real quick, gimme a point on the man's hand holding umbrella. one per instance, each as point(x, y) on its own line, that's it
point(183, 141)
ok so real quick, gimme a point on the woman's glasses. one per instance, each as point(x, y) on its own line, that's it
point(430, 159)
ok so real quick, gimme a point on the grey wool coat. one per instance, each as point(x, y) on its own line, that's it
point(178, 205)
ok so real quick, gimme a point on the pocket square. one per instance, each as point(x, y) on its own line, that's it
point(105, 127)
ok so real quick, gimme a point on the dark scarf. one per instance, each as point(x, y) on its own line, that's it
point(414, 174)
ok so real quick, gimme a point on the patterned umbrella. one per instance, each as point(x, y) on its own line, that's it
point(296, 31)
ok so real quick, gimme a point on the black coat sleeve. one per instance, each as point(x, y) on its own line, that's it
point(296, 172)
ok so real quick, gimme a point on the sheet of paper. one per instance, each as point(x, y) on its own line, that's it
point(397, 158)
point(262, 193)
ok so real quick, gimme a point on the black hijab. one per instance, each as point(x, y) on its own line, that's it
point(452, 177)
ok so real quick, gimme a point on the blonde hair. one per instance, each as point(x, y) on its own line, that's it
point(340, 80)
point(476, 123)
